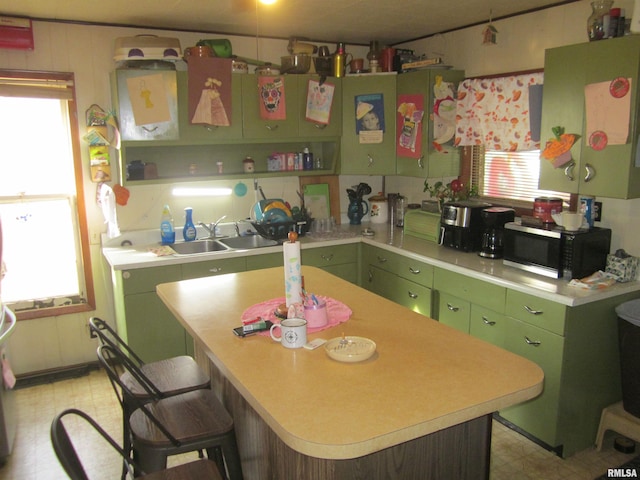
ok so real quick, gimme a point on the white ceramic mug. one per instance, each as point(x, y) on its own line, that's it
point(293, 332)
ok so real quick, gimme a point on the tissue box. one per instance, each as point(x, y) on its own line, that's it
point(622, 269)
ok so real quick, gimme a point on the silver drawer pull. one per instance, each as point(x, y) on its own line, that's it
point(415, 272)
point(535, 343)
point(381, 259)
point(370, 276)
point(486, 321)
point(150, 130)
point(421, 162)
point(369, 160)
point(532, 311)
point(412, 295)
point(215, 269)
point(452, 308)
point(211, 128)
point(327, 258)
point(590, 173)
point(320, 126)
point(271, 128)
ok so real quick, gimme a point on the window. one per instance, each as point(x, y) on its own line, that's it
point(510, 176)
point(45, 246)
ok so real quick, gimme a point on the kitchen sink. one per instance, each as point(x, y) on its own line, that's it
point(250, 241)
point(198, 246)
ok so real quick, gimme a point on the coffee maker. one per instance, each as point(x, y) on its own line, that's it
point(461, 225)
point(493, 220)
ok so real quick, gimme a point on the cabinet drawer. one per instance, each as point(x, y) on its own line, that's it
point(346, 271)
point(325, 256)
point(487, 325)
point(536, 311)
point(405, 267)
point(476, 291)
point(454, 311)
point(141, 280)
point(213, 267)
point(411, 295)
point(266, 260)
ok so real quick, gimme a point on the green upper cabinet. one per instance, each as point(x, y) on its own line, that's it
point(613, 170)
point(441, 160)
point(357, 156)
point(254, 126)
point(135, 90)
point(308, 128)
point(194, 134)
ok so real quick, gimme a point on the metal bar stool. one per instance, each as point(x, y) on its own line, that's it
point(68, 457)
point(182, 423)
point(163, 378)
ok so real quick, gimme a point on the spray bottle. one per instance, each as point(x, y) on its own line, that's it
point(167, 231)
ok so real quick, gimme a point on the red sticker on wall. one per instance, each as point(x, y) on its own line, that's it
point(598, 140)
point(619, 87)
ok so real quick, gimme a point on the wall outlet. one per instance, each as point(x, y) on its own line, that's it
point(597, 211)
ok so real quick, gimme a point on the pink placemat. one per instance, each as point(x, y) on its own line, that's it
point(337, 312)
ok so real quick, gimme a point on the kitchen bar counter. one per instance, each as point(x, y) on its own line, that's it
point(428, 387)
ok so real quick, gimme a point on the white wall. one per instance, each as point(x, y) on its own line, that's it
point(88, 50)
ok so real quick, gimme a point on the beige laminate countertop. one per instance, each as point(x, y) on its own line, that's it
point(137, 255)
point(423, 378)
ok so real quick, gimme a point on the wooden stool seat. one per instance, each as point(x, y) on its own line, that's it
point(198, 470)
point(171, 376)
point(616, 418)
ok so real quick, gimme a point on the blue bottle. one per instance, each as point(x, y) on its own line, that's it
point(189, 230)
point(167, 232)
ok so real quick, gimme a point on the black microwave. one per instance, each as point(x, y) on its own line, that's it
point(555, 252)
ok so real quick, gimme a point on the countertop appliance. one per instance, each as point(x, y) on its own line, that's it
point(555, 252)
point(493, 221)
point(8, 417)
point(461, 225)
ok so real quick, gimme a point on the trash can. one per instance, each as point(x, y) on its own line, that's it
point(629, 342)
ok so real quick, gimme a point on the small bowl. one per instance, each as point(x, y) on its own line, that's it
point(296, 64)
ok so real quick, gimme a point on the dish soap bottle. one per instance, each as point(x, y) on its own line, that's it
point(189, 230)
point(167, 232)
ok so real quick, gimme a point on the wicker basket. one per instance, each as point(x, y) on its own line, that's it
point(280, 230)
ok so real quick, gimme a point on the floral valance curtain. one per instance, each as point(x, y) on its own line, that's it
point(495, 112)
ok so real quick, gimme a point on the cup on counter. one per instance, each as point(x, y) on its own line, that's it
point(316, 314)
point(293, 332)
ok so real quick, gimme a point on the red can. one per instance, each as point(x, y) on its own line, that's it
point(544, 207)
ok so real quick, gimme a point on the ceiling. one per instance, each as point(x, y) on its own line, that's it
point(351, 21)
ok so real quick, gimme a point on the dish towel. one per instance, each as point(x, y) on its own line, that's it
point(107, 201)
point(337, 313)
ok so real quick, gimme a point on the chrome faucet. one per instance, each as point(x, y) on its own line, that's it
point(211, 228)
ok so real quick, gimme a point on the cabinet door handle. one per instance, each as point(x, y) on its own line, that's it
point(149, 129)
point(370, 276)
point(590, 173)
point(211, 128)
point(370, 160)
point(568, 171)
point(215, 269)
point(421, 162)
point(412, 295)
point(534, 343)
point(486, 321)
point(327, 258)
point(452, 308)
point(415, 271)
point(271, 128)
point(126, 275)
point(532, 311)
point(381, 259)
point(320, 126)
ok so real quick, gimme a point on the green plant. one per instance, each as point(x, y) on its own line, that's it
point(453, 191)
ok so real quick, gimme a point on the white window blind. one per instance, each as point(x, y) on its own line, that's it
point(508, 175)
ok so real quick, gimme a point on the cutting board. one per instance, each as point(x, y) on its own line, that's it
point(316, 199)
point(334, 191)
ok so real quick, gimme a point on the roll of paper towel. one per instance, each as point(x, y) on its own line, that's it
point(292, 273)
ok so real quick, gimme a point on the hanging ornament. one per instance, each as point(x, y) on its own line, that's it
point(490, 32)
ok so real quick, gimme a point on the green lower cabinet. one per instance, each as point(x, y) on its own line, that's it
point(339, 260)
point(152, 330)
point(487, 325)
point(412, 295)
point(454, 311)
point(539, 416)
point(267, 260)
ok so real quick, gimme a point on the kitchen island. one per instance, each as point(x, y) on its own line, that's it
point(419, 408)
